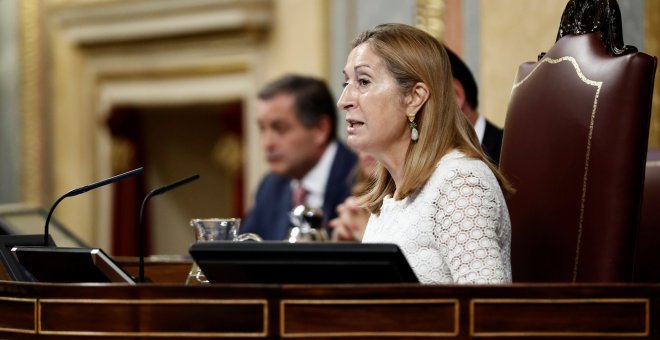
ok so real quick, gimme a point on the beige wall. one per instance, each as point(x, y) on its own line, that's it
point(299, 39)
point(652, 47)
point(510, 35)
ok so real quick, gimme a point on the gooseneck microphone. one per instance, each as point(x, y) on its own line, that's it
point(85, 189)
point(156, 192)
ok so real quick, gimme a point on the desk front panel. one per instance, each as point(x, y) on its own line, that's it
point(329, 311)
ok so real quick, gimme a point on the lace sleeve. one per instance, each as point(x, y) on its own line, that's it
point(468, 227)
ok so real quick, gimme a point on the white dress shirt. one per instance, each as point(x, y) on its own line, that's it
point(480, 127)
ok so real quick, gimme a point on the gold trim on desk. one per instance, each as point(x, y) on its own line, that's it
point(34, 320)
point(645, 302)
point(285, 302)
point(261, 302)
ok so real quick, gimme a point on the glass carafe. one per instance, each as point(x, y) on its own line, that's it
point(215, 229)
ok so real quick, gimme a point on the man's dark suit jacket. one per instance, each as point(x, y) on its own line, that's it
point(270, 215)
point(492, 142)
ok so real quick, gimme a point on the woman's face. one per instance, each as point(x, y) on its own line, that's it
point(373, 104)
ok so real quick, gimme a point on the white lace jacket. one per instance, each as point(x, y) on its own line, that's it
point(455, 229)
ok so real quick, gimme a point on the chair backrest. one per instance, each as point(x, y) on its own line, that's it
point(647, 251)
point(574, 148)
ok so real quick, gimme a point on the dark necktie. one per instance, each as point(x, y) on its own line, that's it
point(299, 195)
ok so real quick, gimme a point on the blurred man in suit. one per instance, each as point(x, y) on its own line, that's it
point(308, 164)
point(467, 95)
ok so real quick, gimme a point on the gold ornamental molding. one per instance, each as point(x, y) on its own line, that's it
point(119, 21)
point(52, 28)
point(238, 66)
point(431, 17)
point(32, 106)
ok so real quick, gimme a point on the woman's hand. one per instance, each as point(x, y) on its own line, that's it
point(350, 222)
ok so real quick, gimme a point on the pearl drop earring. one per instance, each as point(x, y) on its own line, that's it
point(414, 134)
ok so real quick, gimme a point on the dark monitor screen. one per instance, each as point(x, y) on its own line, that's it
point(70, 265)
point(27, 219)
point(282, 262)
point(12, 269)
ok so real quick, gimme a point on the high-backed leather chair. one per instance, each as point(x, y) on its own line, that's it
point(647, 251)
point(574, 148)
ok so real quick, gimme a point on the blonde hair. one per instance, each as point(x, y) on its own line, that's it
point(413, 56)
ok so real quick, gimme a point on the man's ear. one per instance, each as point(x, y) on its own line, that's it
point(323, 130)
point(460, 93)
point(418, 96)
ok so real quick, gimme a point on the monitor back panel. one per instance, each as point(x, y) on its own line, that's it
point(281, 262)
point(70, 265)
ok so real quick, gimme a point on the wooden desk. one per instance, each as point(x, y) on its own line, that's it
point(159, 269)
point(329, 311)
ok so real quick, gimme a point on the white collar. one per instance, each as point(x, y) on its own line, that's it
point(480, 127)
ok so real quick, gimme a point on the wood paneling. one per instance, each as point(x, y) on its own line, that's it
point(558, 311)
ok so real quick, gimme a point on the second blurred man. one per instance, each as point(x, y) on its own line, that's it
point(467, 94)
point(308, 165)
